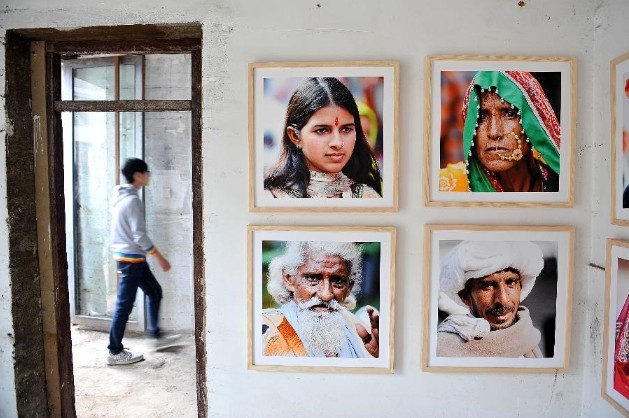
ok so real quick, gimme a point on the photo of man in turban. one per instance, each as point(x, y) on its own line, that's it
point(483, 285)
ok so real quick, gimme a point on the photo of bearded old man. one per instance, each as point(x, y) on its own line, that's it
point(315, 285)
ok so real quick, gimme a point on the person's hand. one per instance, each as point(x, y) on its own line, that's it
point(163, 263)
point(371, 341)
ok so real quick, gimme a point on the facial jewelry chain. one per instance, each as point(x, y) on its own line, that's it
point(516, 154)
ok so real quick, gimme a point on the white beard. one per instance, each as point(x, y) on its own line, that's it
point(323, 332)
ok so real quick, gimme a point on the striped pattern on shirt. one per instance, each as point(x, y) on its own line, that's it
point(133, 258)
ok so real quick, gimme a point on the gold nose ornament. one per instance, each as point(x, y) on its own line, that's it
point(516, 154)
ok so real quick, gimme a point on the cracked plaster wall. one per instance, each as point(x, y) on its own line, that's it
point(610, 34)
point(239, 32)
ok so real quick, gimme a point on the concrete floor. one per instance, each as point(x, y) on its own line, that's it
point(163, 385)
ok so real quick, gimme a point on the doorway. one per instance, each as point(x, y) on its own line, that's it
point(96, 144)
point(101, 128)
point(46, 202)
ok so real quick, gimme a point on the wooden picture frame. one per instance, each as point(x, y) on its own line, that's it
point(474, 263)
point(614, 388)
point(469, 149)
point(619, 80)
point(366, 98)
point(282, 335)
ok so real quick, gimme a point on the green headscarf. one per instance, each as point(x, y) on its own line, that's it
point(539, 122)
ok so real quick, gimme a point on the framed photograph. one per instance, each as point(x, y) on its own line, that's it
point(500, 131)
point(615, 386)
point(323, 136)
point(321, 298)
point(497, 298)
point(620, 139)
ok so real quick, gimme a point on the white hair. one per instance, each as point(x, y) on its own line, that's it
point(322, 332)
point(298, 252)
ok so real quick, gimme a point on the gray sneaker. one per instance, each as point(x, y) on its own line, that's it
point(123, 357)
point(167, 341)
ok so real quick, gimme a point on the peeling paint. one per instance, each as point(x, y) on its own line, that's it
point(595, 332)
point(8, 127)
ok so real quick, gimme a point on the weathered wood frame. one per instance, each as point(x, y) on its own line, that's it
point(47, 48)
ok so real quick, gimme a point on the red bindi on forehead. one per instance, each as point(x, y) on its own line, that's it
point(336, 121)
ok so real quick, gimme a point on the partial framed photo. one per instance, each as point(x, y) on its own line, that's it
point(321, 298)
point(497, 298)
point(615, 386)
point(500, 131)
point(323, 136)
point(620, 139)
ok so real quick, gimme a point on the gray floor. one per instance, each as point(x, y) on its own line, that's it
point(163, 385)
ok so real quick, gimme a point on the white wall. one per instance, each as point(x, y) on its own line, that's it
point(238, 32)
point(610, 34)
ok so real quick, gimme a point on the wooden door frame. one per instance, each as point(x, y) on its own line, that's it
point(42, 250)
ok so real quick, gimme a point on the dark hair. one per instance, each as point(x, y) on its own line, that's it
point(132, 166)
point(291, 172)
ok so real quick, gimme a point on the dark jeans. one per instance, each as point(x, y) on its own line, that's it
point(132, 276)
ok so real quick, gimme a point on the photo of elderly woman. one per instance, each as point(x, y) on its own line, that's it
point(324, 151)
point(500, 131)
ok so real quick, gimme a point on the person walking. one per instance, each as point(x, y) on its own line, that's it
point(130, 245)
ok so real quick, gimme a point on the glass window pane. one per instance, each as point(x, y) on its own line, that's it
point(168, 77)
point(93, 83)
point(130, 136)
point(94, 170)
point(127, 82)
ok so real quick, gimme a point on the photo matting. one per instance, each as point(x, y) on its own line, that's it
point(467, 152)
point(456, 254)
point(374, 88)
point(273, 304)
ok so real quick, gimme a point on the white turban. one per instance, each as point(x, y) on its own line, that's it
point(477, 259)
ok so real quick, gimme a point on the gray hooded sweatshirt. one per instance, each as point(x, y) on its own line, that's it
point(129, 241)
